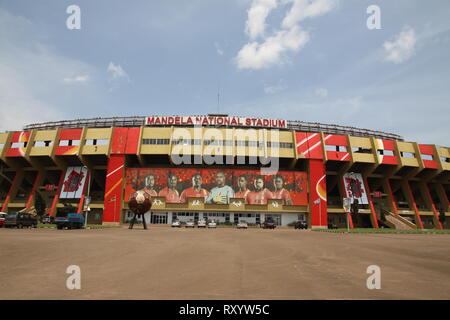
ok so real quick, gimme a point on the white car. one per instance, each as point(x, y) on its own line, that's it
point(212, 224)
point(190, 224)
point(176, 224)
point(201, 224)
point(242, 225)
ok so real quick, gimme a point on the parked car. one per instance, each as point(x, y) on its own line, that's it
point(70, 221)
point(212, 224)
point(201, 224)
point(20, 220)
point(242, 225)
point(332, 226)
point(269, 224)
point(176, 224)
point(48, 219)
point(2, 219)
point(190, 224)
point(301, 224)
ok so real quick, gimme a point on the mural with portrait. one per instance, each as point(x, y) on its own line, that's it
point(218, 185)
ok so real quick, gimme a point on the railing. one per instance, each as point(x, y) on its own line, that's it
point(136, 121)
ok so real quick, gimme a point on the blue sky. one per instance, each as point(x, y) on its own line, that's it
point(289, 59)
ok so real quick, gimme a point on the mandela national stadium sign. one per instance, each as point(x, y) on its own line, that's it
point(216, 120)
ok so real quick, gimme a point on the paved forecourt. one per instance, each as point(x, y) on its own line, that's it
point(225, 263)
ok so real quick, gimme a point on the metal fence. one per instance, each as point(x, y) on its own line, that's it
point(136, 121)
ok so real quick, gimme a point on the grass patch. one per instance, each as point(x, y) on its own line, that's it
point(46, 225)
point(382, 230)
point(89, 226)
point(100, 226)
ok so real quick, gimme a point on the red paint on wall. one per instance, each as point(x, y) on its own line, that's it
point(18, 137)
point(113, 188)
point(132, 140)
point(317, 194)
point(119, 140)
point(336, 140)
point(309, 145)
point(68, 134)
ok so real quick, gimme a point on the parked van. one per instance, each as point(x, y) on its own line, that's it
point(19, 220)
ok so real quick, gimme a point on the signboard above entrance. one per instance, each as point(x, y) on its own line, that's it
point(215, 120)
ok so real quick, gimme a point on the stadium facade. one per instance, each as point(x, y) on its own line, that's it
point(228, 169)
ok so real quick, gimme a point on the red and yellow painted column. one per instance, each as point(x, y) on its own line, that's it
point(113, 189)
point(12, 189)
point(387, 189)
point(58, 191)
point(410, 196)
point(374, 218)
point(433, 206)
point(317, 194)
point(32, 195)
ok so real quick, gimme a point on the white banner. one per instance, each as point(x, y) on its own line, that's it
point(354, 187)
point(73, 184)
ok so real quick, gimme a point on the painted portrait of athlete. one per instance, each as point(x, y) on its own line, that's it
point(221, 193)
point(170, 192)
point(261, 194)
point(150, 185)
point(196, 191)
point(243, 189)
point(279, 191)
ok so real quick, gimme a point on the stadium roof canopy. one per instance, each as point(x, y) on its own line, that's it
point(136, 121)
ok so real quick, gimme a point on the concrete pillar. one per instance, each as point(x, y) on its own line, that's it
point(317, 194)
point(113, 189)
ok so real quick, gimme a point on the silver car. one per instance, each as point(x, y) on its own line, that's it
point(190, 224)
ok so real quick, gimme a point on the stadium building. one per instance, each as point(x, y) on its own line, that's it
point(228, 169)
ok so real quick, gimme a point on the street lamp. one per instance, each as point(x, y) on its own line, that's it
point(352, 203)
point(88, 198)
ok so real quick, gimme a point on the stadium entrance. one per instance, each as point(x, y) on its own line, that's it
point(158, 218)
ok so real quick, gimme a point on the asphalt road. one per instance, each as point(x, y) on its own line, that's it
point(165, 263)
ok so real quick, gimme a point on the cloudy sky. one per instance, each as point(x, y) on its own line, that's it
point(311, 60)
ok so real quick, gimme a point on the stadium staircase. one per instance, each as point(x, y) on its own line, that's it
point(394, 221)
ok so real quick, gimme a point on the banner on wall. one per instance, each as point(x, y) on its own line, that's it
point(73, 184)
point(354, 187)
point(217, 186)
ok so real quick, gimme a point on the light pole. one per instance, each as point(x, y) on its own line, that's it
point(352, 176)
point(88, 198)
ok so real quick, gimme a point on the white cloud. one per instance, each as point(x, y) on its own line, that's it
point(218, 49)
point(257, 15)
point(402, 47)
point(291, 37)
point(76, 79)
point(274, 89)
point(258, 56)
point(321, 92)
point(302, 9)
point(117, 71)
